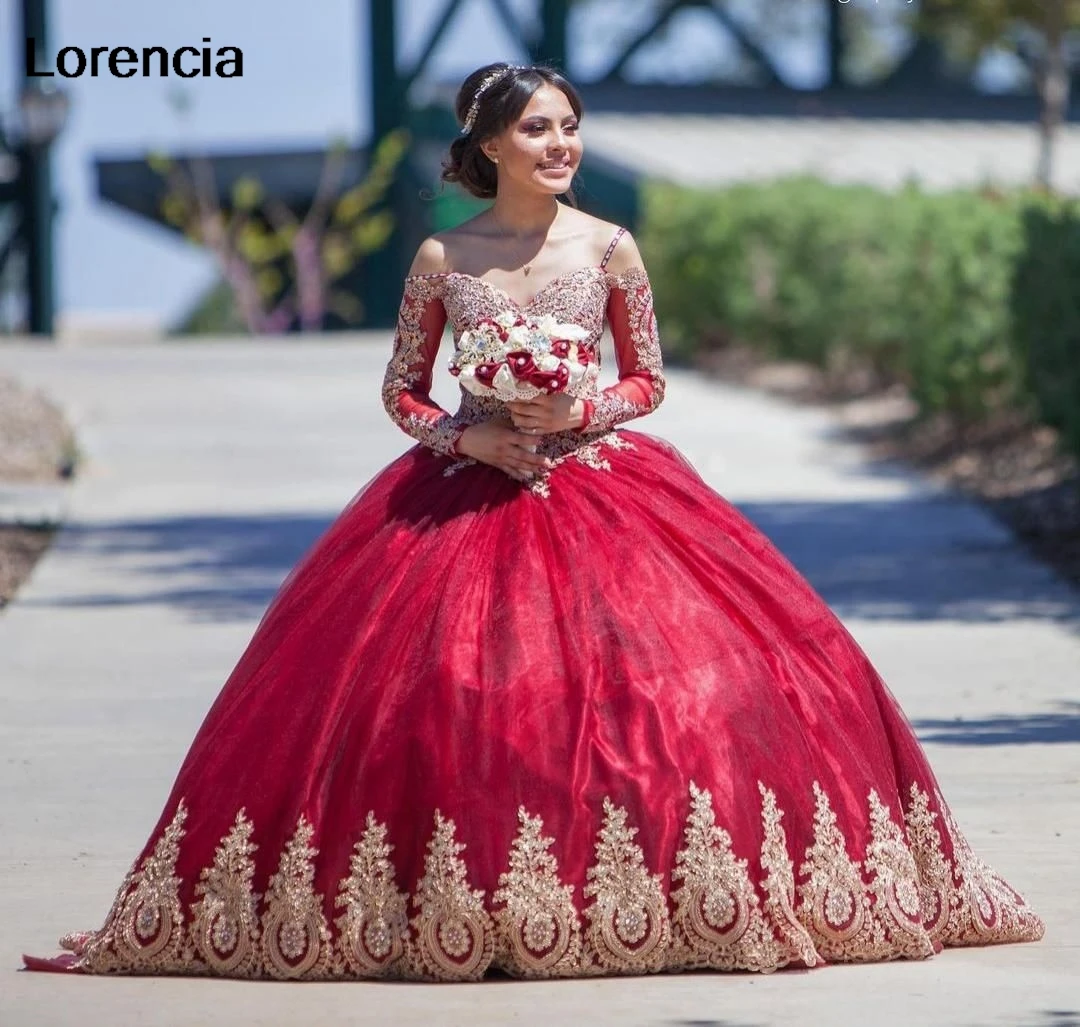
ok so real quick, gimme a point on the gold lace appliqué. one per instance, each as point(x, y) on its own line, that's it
point(835, 906)
point(895, 886)
point(295, 936)
point(972, 904)
point(538, 926)
point(629, 928)
point(145, 929)
point(225, 927)
point(778, 884)
point(718, 916)
point(373, 930)
point(918, 882)
point(454, 933)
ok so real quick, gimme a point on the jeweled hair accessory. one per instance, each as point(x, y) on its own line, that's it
point(488, 81)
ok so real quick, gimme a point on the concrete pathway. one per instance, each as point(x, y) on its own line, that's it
point(210, 467)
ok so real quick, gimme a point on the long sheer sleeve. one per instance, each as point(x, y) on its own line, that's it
point(640, 388)
point(406, 390)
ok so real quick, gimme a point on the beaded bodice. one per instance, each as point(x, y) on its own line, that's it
point(586, 296)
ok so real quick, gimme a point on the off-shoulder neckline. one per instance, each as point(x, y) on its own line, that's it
point(536, 295)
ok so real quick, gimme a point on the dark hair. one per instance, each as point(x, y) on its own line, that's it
point(500, 106)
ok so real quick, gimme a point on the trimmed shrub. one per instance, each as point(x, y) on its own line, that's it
point(971, 298)
point(1046, 308)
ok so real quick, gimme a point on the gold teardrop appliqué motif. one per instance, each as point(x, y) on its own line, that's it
point(455, 937)
point(718, 918)
point(295, 937)
point(373, 930)
point(539, 926)
point(225, 928)
point(629, 928)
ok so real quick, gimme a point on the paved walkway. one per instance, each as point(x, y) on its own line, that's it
point(209, 469)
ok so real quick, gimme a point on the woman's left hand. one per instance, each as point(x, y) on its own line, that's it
point(548, 413)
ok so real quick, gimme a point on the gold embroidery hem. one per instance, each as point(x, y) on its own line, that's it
point(918, 887)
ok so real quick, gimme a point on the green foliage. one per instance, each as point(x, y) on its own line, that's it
point(216, 313)
point(967, 297)
point(982, 23)
point(282, 267)
point(1046, 300)
point(958, 304)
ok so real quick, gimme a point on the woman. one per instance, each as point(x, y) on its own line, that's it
point(539, 700)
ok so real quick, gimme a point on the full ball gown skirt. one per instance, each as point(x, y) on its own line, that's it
point(593, 724)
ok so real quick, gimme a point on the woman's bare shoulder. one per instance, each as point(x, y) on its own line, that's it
point(430, 257)
point(443, 251)
point(624, 255)
point(596, 232)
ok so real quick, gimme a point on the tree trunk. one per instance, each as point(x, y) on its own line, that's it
point(1053, 91)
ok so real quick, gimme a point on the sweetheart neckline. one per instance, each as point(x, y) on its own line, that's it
point(499, 289)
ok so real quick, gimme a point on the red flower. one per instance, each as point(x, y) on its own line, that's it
point(486, 372)
point(521, 363)
point(560, 347)
point(550, 381)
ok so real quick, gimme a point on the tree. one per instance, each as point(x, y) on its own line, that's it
point(281, 267)
point(1038, 30)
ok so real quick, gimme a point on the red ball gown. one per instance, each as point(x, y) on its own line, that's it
point(590, 724)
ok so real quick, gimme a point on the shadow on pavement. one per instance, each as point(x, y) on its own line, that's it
point(1023, 729)
point(909, 559)
point(916, 558)
point(216, 568)
point(708, 1023)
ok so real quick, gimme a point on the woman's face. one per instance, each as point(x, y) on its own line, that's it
point(542, 150)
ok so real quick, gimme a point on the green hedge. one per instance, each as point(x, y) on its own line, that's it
point(970, 298)
point(1047, 313)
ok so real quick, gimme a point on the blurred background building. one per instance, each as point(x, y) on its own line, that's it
point(695, 91)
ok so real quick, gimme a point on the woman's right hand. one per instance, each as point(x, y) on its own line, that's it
point(503, 447)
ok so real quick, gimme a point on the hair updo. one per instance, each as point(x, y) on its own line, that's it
point(499, 107)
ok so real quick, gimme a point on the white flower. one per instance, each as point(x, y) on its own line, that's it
point(518, 338)
point(468, 381)
point(571, 332)
point(548, 362)
point(547, 324)
point(506, 319)
point(504, 378)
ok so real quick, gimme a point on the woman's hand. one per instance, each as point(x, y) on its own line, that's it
point(547, 413)
point(503, 447)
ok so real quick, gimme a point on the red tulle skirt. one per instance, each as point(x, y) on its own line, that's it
point(598, 727)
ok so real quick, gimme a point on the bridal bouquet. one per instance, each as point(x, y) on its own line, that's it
point(515, 357)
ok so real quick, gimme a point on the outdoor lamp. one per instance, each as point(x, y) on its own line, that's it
point(43, 111)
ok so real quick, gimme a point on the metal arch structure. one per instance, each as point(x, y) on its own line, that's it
point(541, 35)
point(542, 38)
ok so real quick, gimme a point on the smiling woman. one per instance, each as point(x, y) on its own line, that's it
point(540, 700)
point(150, 62)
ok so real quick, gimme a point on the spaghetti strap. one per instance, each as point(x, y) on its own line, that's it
point(611, 248)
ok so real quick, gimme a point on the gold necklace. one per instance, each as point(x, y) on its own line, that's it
point(525, 268)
